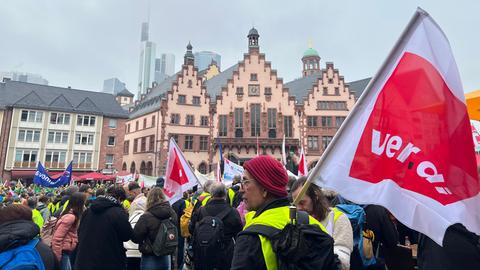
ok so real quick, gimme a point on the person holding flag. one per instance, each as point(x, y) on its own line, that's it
point(407, 145)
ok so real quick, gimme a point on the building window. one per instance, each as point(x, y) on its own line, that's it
point(189, 83)
point(175, 137)
point(239, 91)
point(311, 121)
point(84, 138)
point(337, 91)
point(153, 120)
point(60, 118)
point(272, 123)
point(287, 126)
point(57, 137)
point(143, 144)
point(135, 145)
point(222, 125)
point(31, 116)
point(144, 123)
point(332, 105)
point(26, 158)
point(255, 120)
point(330, 80)
point(339, 120)
point(253, 77)
point(126, 147)
point(149, 168)
point(25, 135)
point(111, 141)
point(204, 121)
point(189, 121)
point(238, 115)
point(268, 91)
point(326, 121)
point(188, 142)
point(326, 141)
point(143, 167)
point(181, 99)
point(112, 123)
point(203, 143)
point(82, 160)
point(196, 100)
point(175, 118)
point(312, 142)
point(325, 91)
point(151, 143)
point(136, 126)
point(85, 120)
point(55, 159)
point(128, 128)
point(109, 159)
point(132, 167)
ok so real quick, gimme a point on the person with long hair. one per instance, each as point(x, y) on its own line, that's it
point(65, 237)
point(337, 224)
point(146, 229)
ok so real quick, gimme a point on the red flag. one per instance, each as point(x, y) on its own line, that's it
point(179, 177)
point(407, 145)
point(302, 165)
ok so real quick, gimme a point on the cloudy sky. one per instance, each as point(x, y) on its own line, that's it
point(81, 43)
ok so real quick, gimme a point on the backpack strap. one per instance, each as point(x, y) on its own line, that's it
point(302, 217)
point(264, 230)
point(221, 215)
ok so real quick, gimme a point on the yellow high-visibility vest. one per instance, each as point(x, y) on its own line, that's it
point(277, 218)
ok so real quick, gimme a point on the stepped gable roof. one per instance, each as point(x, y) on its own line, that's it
point(215, 84)
point(300, 87)
point(51, 98)
point(151, 102)
point(357, 87)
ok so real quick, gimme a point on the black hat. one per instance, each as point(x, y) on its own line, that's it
point(160, 182)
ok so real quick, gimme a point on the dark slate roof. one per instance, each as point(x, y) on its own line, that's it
point(45, 97)
point(125, 93)
point(357, 87)
point(299, 87)
point(152, 100)
point(215, 84)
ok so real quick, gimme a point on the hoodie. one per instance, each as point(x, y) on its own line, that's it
point(103, 229)
point(19, 232)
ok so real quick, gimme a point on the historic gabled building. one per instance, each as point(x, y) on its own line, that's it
point(246, 109)
point(56, 125)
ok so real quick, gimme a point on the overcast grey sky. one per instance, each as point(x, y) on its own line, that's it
point(81, 43)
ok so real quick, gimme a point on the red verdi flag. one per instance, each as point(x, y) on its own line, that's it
point(302, 165)
point(179, 177)
point(407, 145)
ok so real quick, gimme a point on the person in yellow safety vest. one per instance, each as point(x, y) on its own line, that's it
point(335, 221)
point(264, 193)
point(36, 215)
point(231, 196)
point(126, 204)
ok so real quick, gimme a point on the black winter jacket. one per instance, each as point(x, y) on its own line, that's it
point(20, 232)
point(103, 229)
point(147, 226)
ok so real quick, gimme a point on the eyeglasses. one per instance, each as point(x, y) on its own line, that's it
point(245, 182)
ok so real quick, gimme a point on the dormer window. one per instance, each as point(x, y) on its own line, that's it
point(253, 77)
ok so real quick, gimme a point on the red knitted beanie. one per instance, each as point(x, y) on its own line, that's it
point(269, 173)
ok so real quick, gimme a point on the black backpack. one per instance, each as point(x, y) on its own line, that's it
point(166, 241)
point(299, 245)
point(209, 239)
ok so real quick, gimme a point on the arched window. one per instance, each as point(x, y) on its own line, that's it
point(132, 167)
point(202, 168)
point(149, 168)
point(124, 166)
point(143, 168)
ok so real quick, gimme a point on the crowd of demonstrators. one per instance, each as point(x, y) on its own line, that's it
point(241, 226)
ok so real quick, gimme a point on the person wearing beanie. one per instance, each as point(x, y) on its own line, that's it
point(264, 191)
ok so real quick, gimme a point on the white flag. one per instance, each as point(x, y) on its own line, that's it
point(407, 144)
point(230, 170)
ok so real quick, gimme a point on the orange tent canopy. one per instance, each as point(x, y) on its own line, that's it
point(473, 104)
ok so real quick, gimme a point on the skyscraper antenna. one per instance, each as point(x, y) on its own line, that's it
point(149, 5)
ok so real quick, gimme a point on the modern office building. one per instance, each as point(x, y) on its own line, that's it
point(23, 77)
point(164, 66)
point(113, 86)
point(204, 58)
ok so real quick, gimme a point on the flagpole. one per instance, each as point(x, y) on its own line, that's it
point(376, 79)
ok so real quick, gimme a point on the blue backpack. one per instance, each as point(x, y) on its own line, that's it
point(356, 215)
point(24, 257)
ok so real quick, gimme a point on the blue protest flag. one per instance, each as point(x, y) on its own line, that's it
point(42, 178)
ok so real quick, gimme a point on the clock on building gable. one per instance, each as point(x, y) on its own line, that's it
point(253, 90)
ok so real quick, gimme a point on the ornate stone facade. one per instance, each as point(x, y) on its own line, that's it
point(246, 108)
